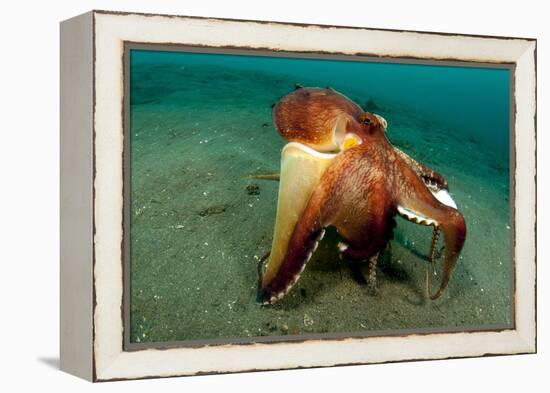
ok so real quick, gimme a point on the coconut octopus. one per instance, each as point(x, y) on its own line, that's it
point(339, 169)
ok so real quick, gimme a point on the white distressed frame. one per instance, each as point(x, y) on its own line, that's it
point(111, 30)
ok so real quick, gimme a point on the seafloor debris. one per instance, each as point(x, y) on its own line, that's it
point(253, 189)
point(211, 210)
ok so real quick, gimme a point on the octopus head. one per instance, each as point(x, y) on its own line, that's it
point(372, 124)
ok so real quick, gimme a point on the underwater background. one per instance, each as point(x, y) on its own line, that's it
point(200, 126)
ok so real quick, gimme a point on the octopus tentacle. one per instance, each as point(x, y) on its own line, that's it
point(307, 233)
point(430, 177)
point(433, 244)
point(415, 197)
point(373, 261)
point(330, 204)
point(431, 256)
point(301, 171)
point(363, 254)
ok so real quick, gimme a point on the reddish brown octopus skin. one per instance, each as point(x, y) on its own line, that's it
point(309, 114)
point(359, 194)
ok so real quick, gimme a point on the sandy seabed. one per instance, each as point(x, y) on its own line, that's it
point(199, 223)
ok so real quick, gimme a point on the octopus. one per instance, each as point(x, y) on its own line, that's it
point(339, 169)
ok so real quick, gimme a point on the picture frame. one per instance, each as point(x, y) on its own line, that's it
point(94, 194)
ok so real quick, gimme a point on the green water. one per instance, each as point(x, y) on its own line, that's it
point(200, 124)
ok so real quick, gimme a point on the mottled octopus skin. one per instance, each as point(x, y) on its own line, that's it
point(310, 115)
point(359, 194)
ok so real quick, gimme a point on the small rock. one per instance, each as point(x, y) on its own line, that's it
point(253, 189)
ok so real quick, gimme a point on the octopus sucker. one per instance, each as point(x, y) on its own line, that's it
point(322, 235)
point(281, 294)
point(357, 188)
point(315, 246)
point(441, 195)
point(433, 244)
point(342, 246)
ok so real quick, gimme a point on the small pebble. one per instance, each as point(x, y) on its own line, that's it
point(253, 189)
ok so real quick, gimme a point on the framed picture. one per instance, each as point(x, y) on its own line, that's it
point(245, 195)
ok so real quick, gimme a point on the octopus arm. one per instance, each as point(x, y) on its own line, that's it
point(430, 177)
point(301, 171)
point(416, 203)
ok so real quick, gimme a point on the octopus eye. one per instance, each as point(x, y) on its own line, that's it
point(366, 121)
